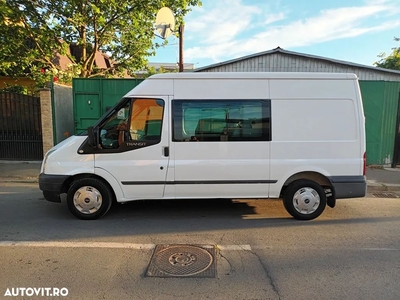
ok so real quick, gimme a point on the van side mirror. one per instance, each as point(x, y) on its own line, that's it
point(92, 134)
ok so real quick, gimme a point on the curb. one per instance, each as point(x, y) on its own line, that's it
point(375, 186)
point(384, 188)
point(19, 180)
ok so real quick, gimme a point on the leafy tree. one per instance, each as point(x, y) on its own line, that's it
point(33, 32)
point(392, 61)
point(152, 71)
point(27, 45)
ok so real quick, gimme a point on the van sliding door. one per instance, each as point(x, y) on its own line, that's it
point(221, 148)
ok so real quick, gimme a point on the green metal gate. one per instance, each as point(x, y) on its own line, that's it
point(396, 156)
point(381, 103)
point(94, 96)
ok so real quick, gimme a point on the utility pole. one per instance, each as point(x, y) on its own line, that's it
point(181, 29)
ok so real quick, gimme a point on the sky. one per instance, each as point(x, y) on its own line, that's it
point(350, 30)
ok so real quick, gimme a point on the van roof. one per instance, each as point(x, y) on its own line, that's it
point(254, 75)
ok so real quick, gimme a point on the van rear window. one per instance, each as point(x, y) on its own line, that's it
point(221, 120)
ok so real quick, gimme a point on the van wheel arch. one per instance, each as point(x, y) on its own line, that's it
point(72, 179)
point(318, 178)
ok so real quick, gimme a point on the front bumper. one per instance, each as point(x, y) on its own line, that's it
point(349, 186)
point(52, 186)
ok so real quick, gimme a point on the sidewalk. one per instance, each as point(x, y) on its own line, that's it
point(383, 180)
point(378, 179)
point(24, 172)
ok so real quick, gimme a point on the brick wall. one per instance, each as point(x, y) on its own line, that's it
point(47, 119)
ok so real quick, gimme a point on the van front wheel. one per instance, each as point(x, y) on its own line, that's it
point(304, 199)
point(89, 198)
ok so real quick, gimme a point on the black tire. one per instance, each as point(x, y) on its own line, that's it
point(89, 198)
point(304, 199)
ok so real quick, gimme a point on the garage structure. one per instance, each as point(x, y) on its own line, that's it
point(380, 89)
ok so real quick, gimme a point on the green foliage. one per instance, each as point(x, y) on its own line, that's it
point(152, 71)
point(392, 61)
point(18, 89)
point(34, 31)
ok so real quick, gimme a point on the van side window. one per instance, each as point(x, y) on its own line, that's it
point(221, 120)
point(146, 120)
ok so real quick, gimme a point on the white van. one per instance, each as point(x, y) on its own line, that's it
point(296, 136)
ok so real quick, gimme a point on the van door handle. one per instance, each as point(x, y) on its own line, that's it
point(166, 151)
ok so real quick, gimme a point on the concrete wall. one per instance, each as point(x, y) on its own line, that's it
point(63, 112)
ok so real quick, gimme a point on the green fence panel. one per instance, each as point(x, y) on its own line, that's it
point(380, 101)
point(389, 118)
point(94, 96)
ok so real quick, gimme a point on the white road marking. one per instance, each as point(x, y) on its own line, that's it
point(77, 245)
point(50, 244)
point(381, 249)
point(134, 246)
point(234, 247)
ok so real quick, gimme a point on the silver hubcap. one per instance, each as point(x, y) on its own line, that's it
point(87, 200)
point(306, 200)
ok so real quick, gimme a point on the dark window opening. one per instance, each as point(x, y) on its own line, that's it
point(221, 120)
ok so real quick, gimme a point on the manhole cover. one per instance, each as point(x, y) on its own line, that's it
point(384, 195)
point(182, 261)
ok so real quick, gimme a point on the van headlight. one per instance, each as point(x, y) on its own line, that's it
point(45, 160)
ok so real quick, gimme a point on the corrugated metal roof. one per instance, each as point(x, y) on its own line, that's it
point(280, 50)
point(254, 75)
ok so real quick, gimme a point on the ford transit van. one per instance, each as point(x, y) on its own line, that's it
point(295, 136)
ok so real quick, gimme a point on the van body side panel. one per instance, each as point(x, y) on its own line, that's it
point(315, 127)
point(152, 87)
point(113, 182)
point(221, 89)
point(221, 170)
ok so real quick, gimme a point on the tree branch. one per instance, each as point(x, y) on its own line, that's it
point(93, 54)
point(115, 17)
point(54, 12)
point(31, 35)
point(104, 71)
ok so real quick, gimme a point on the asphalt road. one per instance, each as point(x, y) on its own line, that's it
point(350, 252)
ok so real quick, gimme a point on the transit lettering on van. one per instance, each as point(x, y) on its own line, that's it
point(295, 136)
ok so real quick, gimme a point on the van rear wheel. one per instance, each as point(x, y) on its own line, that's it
point(89, 198)
point(304, 199)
